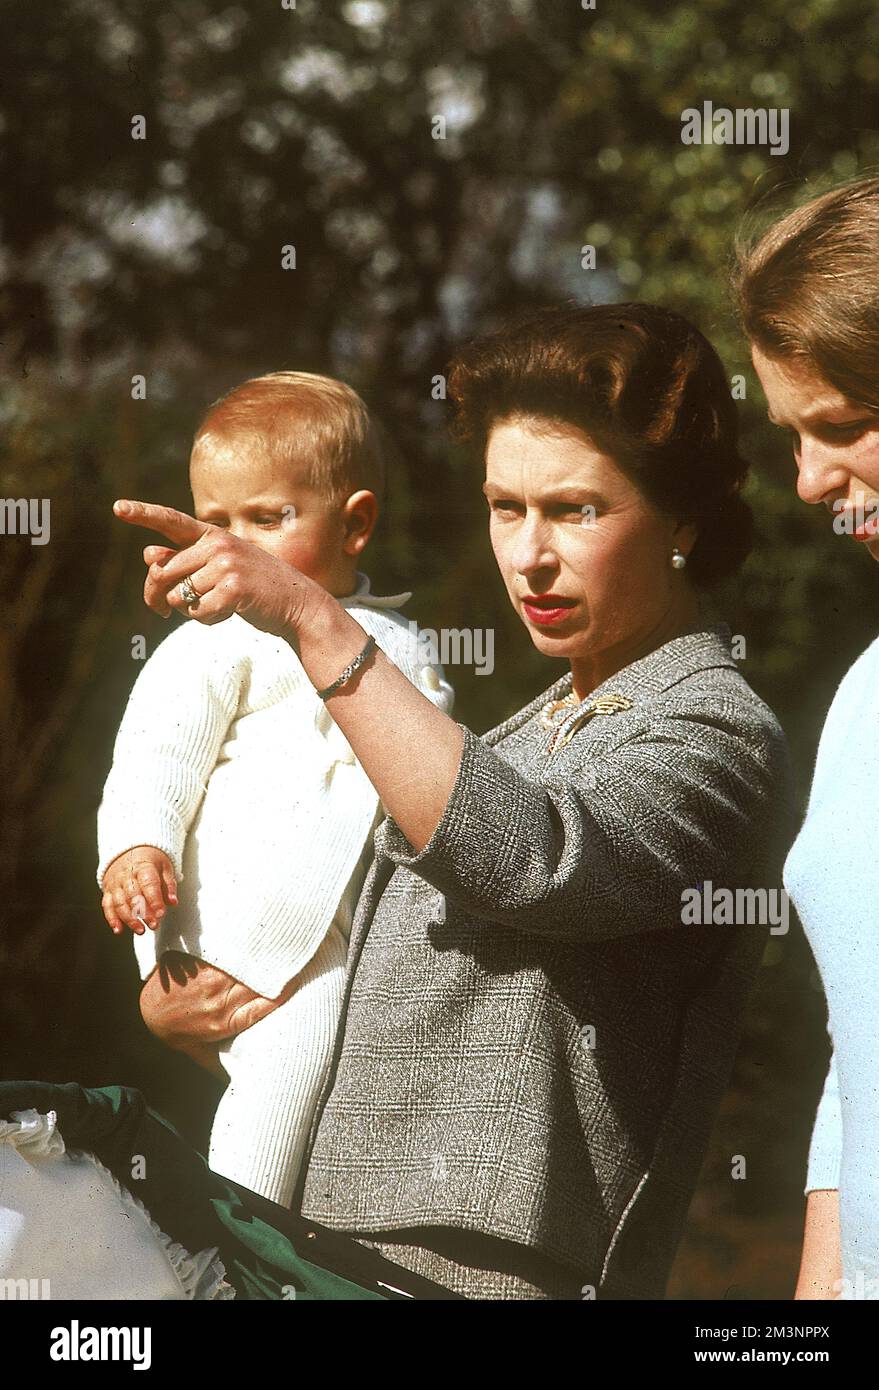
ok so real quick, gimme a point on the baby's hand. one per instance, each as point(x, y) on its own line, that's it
point(137, 885)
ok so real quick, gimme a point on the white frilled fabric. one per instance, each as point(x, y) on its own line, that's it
point(73, 1232)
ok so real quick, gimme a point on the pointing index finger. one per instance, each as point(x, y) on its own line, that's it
point(175, 526)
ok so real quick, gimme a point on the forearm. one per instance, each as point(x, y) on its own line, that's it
point(409, 749)
point(821, 1264)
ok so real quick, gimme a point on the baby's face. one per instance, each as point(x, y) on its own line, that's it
point(273, 507)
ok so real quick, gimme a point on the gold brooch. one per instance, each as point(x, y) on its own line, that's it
point(551, 711)
point(588, 709)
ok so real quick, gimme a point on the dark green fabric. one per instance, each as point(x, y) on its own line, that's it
point(191, 1204)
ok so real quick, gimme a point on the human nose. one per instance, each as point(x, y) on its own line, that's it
point(820, 471)
point(533, 550)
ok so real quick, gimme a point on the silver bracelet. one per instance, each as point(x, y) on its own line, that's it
point(349, 669)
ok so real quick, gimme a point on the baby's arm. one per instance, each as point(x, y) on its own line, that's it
point(137, 887)
point(176, 720)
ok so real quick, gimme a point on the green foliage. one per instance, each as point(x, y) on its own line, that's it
point(267, 127)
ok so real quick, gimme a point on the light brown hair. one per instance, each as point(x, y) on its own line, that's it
point(807, 289)
point(301, 419)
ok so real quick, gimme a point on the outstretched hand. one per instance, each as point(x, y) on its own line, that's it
point(228, 575)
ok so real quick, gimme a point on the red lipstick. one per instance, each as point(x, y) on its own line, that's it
point(546, 609)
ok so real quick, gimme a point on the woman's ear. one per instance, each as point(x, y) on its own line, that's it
point(685, 536)
point(359, 517)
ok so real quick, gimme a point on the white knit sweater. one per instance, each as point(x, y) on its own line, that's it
point(227, 760)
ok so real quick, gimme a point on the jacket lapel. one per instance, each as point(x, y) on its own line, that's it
point(702, 650)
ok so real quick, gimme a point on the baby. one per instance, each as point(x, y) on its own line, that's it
point(230, 778)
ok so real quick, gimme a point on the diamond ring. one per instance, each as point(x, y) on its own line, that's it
point(190, 597)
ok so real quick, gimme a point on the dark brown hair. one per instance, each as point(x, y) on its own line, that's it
point(808, 288)
point(646, 387)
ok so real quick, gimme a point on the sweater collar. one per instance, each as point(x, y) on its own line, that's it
point(363, 597)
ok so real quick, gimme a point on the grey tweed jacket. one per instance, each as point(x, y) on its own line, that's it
point(534, 1046)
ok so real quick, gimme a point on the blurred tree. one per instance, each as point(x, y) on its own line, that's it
point(313, 128)
point(435, 168)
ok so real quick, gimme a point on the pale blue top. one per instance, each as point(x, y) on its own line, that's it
point(832, 876)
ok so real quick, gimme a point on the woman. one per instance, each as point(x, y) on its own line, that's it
point(809, 296)
point(538, 1030)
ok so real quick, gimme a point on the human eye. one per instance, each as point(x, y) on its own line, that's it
point(267, 520)
point(850, 429)
point(505, 506)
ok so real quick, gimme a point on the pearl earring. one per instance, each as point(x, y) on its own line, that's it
point(678, 560)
